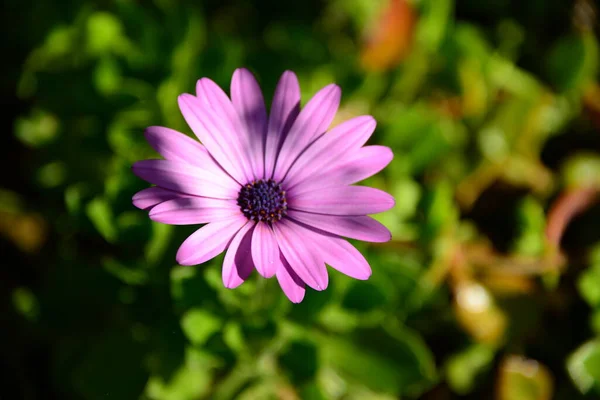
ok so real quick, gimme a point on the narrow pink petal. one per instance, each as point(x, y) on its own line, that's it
point(284, 110)
point(305, 262)
point(194, 210)
point(265, 251)
point(290, 283)
point(185, 178)
point(173, 145)
point(176, 146)
point(209, 241)
point(354, 227)
point(237, 264)
point(339, 254)
point(362, 164)
point(331, 147)
point(342, 200)
point(212, 95)
point(249, 103)
point(217, 134)
point(313, 120)
point(147, 198)
point(344, 257)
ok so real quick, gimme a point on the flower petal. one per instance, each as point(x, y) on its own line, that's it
point(284, 110)
point(217, 134)
point(194, 210)
point(304, 261)
point(185, 178)
point(290, 283)
point(344, 257)
point(249, 103)
point(342, 200)
point(330, 148)
point(173, 145)
point(147, 198)
point(313, 120)
point(338, 253)
point(265, 251)
point(237, 264)
point(362, 164)
point(354, 227)
point(176, 146)
point(209, 241)
point(214, 97)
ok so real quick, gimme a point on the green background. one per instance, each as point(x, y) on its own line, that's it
point(490, 287)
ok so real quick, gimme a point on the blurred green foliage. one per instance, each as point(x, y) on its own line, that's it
point(490, 287)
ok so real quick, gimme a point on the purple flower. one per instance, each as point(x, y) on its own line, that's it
point(275, 191)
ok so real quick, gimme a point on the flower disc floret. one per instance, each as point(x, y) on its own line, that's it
point(263, 200)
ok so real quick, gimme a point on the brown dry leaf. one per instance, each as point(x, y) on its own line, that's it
point(388, 41)
point(27, 231)
point(478, 314)
point(568, 205)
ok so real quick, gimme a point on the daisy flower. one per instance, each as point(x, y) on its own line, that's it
point(275, 191)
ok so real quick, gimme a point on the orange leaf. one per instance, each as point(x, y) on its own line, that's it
point(389, 40)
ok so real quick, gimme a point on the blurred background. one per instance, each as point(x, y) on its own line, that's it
point(490, 288)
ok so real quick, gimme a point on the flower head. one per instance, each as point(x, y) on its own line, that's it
point(275, 191)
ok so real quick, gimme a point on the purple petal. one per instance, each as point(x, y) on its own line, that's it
point(344, 257)
point(147, 198)
point(185, 178)
point(362, 164)
point(173, 145)
point(176, 146)
point(209, 241)
point(214, 129)
point(284, 110)
point(355, 227)
point(194, 210)
point(248, 101)
point(342, 200)
point(340, 254)
point(305, 262)
point(265, 251)
point(313, 120)
point(330, 148)
point(237, 264)
point(290, 283)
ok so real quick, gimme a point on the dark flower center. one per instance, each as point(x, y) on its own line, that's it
point(263, 200)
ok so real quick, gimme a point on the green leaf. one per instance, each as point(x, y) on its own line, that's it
point(532, 224)
point(131, 276)
point(107, 76)
point(574, 61)
point(589, 285)
point(190, 382)
point(104, 31)
point(364, 296)
point(189, 289)
point(52, 174)
point(198, 325)
point(26, 303)
point(100, 213)
point(300, 361)
point(584, 367)
point(395, 364)
point(582, 170)
point(37, 130)
point(434, 23)
point(158, 243)
point(465, 367)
